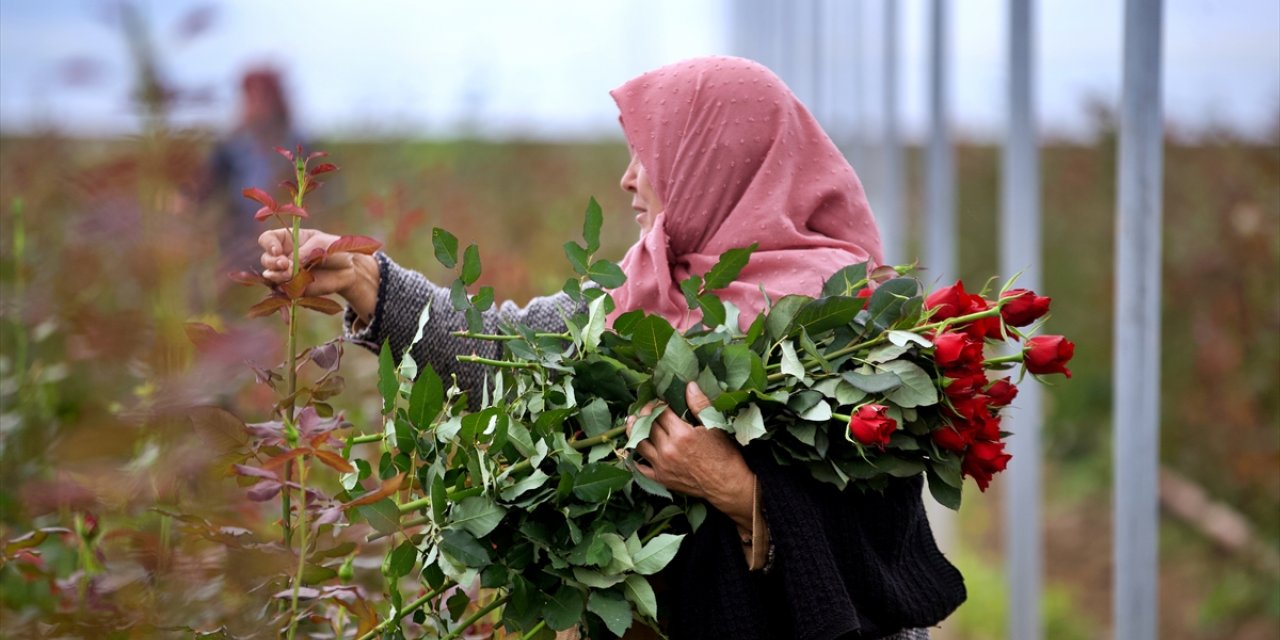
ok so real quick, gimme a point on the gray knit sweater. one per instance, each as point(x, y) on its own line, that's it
point(402, 294)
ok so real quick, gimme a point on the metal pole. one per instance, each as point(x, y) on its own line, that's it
point(939, 198)
point(890, 214)
point(1136, 367)
point(1020, 252)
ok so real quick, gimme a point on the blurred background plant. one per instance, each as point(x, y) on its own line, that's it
point(117, 506)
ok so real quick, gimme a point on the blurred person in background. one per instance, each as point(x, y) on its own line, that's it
point(247, 156)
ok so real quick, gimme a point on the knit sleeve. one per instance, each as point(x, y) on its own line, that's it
point(402, 295)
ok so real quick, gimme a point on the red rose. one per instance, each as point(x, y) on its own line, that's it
point(970, 407)
point(1002, 392)
point(983, 327)
point(1048, 354)
point(962, 384)
point(956, 350)
point(1023, 307)
point(870, 426)
point(951, 439)
point(983, 460)
point(948, 302)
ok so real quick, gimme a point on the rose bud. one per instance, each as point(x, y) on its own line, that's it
point(956, 350)
point(983, 327)
point(864, 295)
point(1048, 354)
point(869, 425)
point(1002, 392)
point(983, 460)
point(1022, 307)
point(963, 384)
point(948, 302)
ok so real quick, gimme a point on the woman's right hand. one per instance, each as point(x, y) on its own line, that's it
point(354, 276)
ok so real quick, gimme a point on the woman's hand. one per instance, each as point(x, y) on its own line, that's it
point(354, 276)
point(697, 461)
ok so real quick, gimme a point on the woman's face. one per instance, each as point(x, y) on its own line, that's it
point(643, 198)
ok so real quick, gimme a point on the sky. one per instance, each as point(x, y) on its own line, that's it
point(513, 68)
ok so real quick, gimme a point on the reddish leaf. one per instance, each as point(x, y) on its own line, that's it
point(253, 472)
point(389, 486)
point(297, 285)
point(268, 305)
point(326, 356)
point(286, 153)
point(264, 213)
point(323, 305)
point(355, 244)
point(313, 257)
point(260, 196)
point(263, 491)
point(328, 388)
point(278, 461)
point(292, 186)
point(317, 154)
point(335, 461)
point(323, 168)
point(201, 334)
point(292, 210)
point(312, 185)
point(248, 278)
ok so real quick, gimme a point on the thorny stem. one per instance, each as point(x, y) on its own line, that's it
point(366, 439)
point(502, 337)
point(302, 546)
point(406, 610)
point(484, 611)
point(291, 372)
point(534, 631)
point(498, 363)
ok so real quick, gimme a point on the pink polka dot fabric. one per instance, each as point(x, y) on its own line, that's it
point(736, 158)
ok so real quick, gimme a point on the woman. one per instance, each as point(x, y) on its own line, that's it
point(723, 155)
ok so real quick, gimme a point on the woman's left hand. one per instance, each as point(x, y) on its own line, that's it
point(697, 461)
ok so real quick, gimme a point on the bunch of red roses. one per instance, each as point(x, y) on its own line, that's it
point(961, 325)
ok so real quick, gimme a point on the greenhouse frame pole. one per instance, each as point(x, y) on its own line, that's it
point(939, 197)
point(1136, 366)
point(891, 216)
point(1020, 251)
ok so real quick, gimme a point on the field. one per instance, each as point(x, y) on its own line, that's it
point(104, 259)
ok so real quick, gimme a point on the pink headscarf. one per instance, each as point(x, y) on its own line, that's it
point(736, 158)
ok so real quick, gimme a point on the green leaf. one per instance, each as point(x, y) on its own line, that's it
point(778, 322)
point(439, 498)
point(595, 417)
point(690, 287)
point(946, 495)
point(713, 314)
point(872, 382)
point(595, 579)
point(464, 548)
point(563, 608)
point(612, 608)
point(591, 225)
point(598, 553)
point(402, 559)
point(426, 399)
point(737, 365)
point(525, 485)
point(483, 299)
point(846, 281)
point(790, 362)
point(595, 324)
point(678, 362)
point(649, 335)
point(479, 515)
point(748, 424)
point(640, 592)
point(825, 314)
point(606, 274)
point(470, 265)
point(885, 306)
point(577, 256)
point(640, 429)
point(656, 554)
point(596, 481)
point(382, 515)
point(886, 352)
point(905, 338)
point(729, 266)
point(917, 388)
point(446, 246)
point(475, 321)
point(458, 296)
point(649, 486)
point(388, 382)
point(847, 394)
point(406, 441)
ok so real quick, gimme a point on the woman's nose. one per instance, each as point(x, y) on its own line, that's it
point(628, 181)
